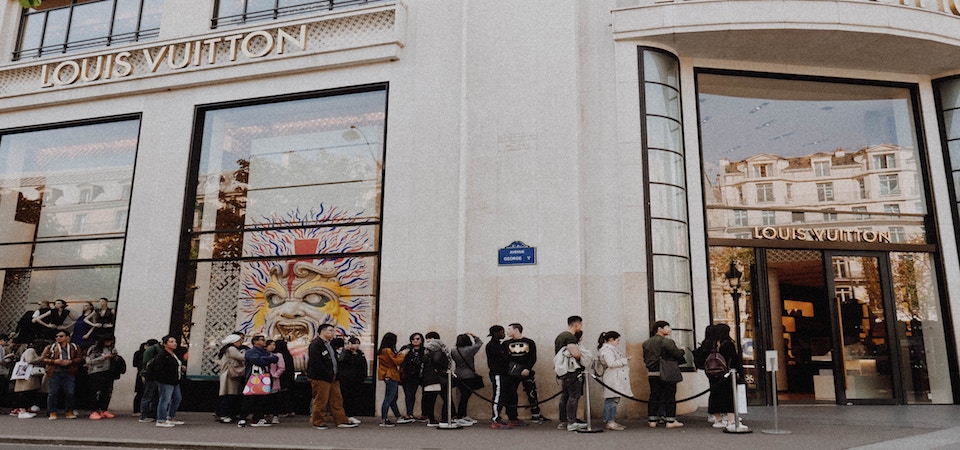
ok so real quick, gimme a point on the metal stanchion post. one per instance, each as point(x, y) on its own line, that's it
point(736, 427)
point(772, 368)
point(450, 424)
point(586, 393)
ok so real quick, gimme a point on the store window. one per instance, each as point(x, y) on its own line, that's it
point(61, 26)
point(54, 243)
point(283, 234)
point(233, 12)
point(666, 194)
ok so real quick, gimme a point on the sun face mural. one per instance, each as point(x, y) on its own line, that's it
point(291, 298)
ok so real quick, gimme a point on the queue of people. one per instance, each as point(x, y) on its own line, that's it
point(257, 376)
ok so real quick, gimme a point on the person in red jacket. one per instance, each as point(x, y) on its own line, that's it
point(62, 359)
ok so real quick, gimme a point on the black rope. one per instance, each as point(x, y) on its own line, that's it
point(597, 379)
point(474, 392)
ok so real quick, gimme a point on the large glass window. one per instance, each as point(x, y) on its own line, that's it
point(285, 228)
point(667, 227)
point(861, 136)
point(60, 26)
point(231, 12)
point(60, 194)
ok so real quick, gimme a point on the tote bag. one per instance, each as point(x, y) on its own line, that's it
point(259, 382)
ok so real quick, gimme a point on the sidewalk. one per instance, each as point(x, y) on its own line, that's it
point(817, 427)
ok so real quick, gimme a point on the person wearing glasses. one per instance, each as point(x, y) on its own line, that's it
point(168, 370)
point(410, 375)
point(62, 358)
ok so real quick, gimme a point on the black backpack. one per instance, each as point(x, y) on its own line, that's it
point(716, 365)
point(700, 356)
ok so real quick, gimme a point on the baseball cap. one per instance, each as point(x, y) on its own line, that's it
point(495, 329)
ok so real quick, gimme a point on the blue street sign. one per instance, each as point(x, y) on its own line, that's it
point(517, 254)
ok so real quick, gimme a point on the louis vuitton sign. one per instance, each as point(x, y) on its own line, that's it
point(820, 234)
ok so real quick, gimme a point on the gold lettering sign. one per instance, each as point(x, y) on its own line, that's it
point(178, 56)
point(821, 234)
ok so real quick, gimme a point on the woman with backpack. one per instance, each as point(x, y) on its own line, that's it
point(616, 375)
point(720, 403)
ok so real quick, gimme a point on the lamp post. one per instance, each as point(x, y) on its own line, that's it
point(733, 276)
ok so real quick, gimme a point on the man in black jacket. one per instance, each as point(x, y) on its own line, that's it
point(523, 354)
point(322, 370)
point(504, 390)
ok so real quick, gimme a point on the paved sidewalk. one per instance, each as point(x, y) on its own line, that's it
point(817, 427)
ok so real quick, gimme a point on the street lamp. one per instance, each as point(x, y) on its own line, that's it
point(733, 276)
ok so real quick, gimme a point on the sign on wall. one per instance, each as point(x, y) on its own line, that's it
point(517, 254)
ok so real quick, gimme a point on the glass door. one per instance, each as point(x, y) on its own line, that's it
point(863, 354)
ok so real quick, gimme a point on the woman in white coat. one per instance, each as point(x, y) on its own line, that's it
point(616, 375)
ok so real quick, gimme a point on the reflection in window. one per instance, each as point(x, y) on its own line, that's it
point(233, 12)
point(898, 234)
point(761, 170)
point(769, 217)
point(798, 217)
point(740, 218)
point(58, 242)
point(286, 220)
point(81, 25)
point(863, 137)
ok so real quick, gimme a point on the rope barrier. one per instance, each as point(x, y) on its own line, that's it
point(601, 383)
point(474, 392)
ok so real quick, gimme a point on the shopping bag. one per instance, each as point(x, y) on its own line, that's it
point(741, 398)
point(21, 371)
point(259, 382)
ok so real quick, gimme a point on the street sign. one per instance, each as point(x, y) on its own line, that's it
point(517, 254)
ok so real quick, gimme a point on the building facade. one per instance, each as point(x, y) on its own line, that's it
point(787, 167)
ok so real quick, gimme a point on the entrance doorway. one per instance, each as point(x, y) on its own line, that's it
point(848, 326)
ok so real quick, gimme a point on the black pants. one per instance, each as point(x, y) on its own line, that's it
point(465, 393)
point(663, 400)
point(530, 388)
point(256, 404)
point(101, 387)
point(352, 396)
point(571, 389)
point(504, 395)
point(429, 401)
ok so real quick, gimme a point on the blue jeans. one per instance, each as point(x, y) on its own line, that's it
point(63, 382)
point(169, 401)
point(390, 393)
point(148, 402)
point(610, 409)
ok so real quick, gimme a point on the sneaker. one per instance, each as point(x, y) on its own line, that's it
point(165, 424)
point(497, 425)
point(464, 423)
point(71, 414)
point(387, 423)
point(652, 424)
point(539, 419)
point(711, 418)
point(733, 428)
point(275, 420)
point(321, 427)
point(175, 422)
point(261, 423)
point(562, 426)
point(432, 423)
point(721, 424)
point(577, 426)
point(241, 423)
point(107, 415)
point(53, 416)
point(468, 419)
point(517, 423)
point(34, 409)
point(354, 420)
point(615, 426)
point(347, 425)
point(224, 419)
point(95, 416)
point(16, 411)
point(674, 424)
point(26, 415)
point(146, 419)
point(404, 420)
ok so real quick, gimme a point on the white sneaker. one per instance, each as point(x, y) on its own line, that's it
point(469, 419)
point(165, 424)
point(175, 422)
point(275, 420)
point(26, 415)
point(261, 423)
point(721, 424)
point(354, 420)
point(465, 423)
point(734, 428)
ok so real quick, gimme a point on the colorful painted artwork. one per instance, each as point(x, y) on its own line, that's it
point(293, 297)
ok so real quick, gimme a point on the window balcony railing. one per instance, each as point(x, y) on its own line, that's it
point(238, 12)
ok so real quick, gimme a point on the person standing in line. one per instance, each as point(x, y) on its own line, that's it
point(148, 402)
point(410, 374)
point(436, 364)
point(168, 370)
point(232, 370)
point(663, 396)
point(6, 362)
point(277, 370)
point(616, 374)
point(467, 378)
point(322, 371)
point(63, 359)
point(286, 380)
point(256, 356)
point(571, 383)
point(353, 372)
point(388, 370)
point(720, 402)
point(523, 352)
point(100, 359)
point(30, 392)
point(504, 391)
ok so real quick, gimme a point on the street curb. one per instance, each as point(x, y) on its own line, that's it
point(128, 443)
